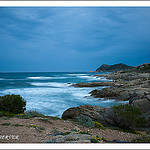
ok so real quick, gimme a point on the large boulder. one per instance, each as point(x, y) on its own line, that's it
point(121, 116)
point(142, 104)
point(88, 110)
point(96, 113)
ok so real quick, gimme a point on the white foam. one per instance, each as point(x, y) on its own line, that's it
point(2, 78)
point(84, 76)
point(39, 78)
point(76, 74)
point(99, 78)
point(93, 78)
point(49, 84)
point(80, 94)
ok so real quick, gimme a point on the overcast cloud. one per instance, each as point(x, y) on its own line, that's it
point(72, 38)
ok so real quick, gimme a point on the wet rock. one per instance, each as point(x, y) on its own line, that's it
point(92, 84)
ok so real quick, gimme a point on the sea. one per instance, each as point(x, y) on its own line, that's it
point(51, 93)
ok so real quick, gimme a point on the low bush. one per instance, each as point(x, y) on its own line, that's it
point(1, 114)
point(6, 124)
point(98, 125)
point(94, 140)
point(12, 103)
point(45, 120)
point(30, 114)
point(127, 116)
point(144, 139)
point(83, 132)
point(17, 125)
point(124, 130)
point(85, 121)
point(66, 133)
point(100, 139)
point(7, 114)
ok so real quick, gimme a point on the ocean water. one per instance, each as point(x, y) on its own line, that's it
point(49, 92)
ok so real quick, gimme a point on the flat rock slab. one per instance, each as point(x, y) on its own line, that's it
point(71, 138)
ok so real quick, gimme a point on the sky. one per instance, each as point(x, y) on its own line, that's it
point(60, 39)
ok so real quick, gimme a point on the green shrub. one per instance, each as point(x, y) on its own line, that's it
point(12, 103)
point(45, 120)
point(1, 114)
point(55, 131)
point(66, 133)
point(7, 114)
point(6, 124)
point(17, 125)
point(98, 125)
point(29, 114)
point(40, 128)
point(124, 130)
point(94, 140)
point(144, 139)
point(83, 132)
point(100, 139)
point(6, 118)
point(127, 116)
point(85, 121)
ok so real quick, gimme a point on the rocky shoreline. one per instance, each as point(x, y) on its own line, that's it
point(126, 86)
point(108, 125)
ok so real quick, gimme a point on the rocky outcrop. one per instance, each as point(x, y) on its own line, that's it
point(143, 68)
point(92, 84)
point(126, 86)
point(111, 93)
point(71, 138)
point(88, 110)
point(124, 76)
point(113, 68)
point(103, 115)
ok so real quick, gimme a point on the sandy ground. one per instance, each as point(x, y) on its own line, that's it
point(25, 134)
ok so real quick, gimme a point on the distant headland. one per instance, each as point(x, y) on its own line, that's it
point(122, 67)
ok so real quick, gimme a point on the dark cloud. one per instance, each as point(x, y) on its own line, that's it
point(72, 38)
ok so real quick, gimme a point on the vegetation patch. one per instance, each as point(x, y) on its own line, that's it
point(83, 132)
point(29, 114)
point(55, 131)
point(144, 139)
point(53, 118)
point(6, 124)
point(17, 125)
point(99, 125)
point(85, 121)
point(6, 118)
point(125, 130)
point(7, 114)
point(45, 120)
point(66, 133)
point(38, 128)
point(93, 140)
point(127, 116)
point(100, 139)
point(12, 103)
